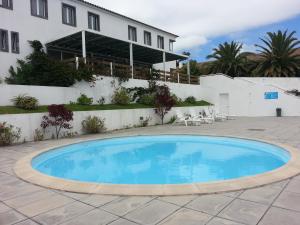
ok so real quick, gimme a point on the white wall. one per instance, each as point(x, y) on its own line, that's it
point(46, 30)
point(246, 97)
point(114, 119)
point(103, 88)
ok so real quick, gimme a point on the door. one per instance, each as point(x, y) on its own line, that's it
point(224, 103)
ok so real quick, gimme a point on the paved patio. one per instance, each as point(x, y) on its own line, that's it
point(276, 204)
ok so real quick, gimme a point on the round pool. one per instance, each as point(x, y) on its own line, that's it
point(165, 159)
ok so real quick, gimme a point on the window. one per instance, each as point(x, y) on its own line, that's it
point(147, 38)
point(39, 8)
point(160, 42)
point(132, 33)
point(69, 15)
point(171, 45)
point(3, 40)
point(8, 4)
point(15, 46)
point(94, 21)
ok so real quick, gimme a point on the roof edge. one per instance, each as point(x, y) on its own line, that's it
point(123, 16)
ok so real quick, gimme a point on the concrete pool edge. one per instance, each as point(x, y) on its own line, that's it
point(24, 170)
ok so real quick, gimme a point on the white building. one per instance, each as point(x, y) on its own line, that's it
point(75, 28)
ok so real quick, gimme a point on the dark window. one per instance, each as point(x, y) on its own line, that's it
point(8, 4)
point(15, 45)
point(171, 45)
point(69, 15)
point(132, 33)
point(39, 8)
point(94, 21)
point(160, 42)
point(147, 38)
point(3, 40)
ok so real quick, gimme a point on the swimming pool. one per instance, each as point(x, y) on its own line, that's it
point(161, 160)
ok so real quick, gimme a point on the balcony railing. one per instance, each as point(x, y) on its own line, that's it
point(106, 68)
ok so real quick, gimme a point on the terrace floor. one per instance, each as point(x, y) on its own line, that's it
point(22, 203)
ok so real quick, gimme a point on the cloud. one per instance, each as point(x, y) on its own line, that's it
point(195, 21)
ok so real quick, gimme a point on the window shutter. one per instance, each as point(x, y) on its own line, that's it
point(33, 7)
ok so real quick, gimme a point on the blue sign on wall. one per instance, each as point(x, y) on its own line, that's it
point(271, 95)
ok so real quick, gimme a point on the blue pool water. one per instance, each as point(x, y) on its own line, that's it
point(166, 159)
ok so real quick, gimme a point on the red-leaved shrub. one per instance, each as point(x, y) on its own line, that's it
point(59, 117)
point(163, 101)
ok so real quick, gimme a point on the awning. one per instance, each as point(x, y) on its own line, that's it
point(100, 45)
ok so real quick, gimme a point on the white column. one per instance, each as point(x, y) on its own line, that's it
point(131, 58)
point(111, 69)
point(164, 65)
point(189, 71)
point(83, 46)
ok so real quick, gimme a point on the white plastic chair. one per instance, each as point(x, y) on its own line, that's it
point(181, 118)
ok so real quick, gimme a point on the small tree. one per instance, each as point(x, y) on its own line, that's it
point(59, 117)
point(163, 101)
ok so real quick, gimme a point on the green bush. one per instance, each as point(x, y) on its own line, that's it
point(93, 125)
point(83, 99)
point(191, 100)
point(121, 97)
point(176, 99)
point(39, 69)
point(8, 134)
point(147, 99)
point(25, 102)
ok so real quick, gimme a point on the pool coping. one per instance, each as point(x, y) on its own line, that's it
point(24, 170)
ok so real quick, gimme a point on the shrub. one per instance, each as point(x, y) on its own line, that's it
point(101, 101)
point(176, 99)
point(39, 69)
point(190, 100)
point(8, 134)
point(84, 100)
point(38, 135)
point(93, 125)
point(121, 97)
point(163, 102)
point(25, 102)
point(147, 99)
point(59, 117)
point(145, 121)
point(172, 119)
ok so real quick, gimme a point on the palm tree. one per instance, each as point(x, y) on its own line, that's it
point(229, 59)
point(278, 56)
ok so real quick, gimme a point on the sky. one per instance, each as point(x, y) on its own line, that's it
point(203, 24)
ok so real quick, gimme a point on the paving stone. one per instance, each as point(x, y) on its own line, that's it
point(277, 216)
point(280, 184)
point(186, 217)
point(124, 205)
point(178, 200)
point(10, 217)
point(30, 198)
point(152, 213)
point(233, 194)
point(244, 212)
point(4, 208)
point(27, 222)
point(294, 186)
point(122, 222)
point(60, 215)
point(211, 204)
point(44, 205)
point(77, 196)
point(220, 221)
point(264, 195)
point(95, 217)
point(98, 200)
point(288, 200)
